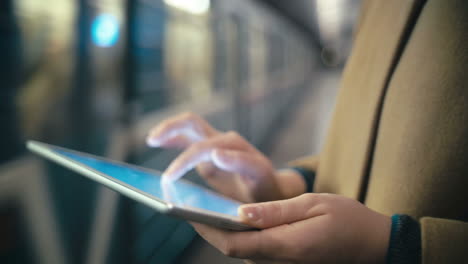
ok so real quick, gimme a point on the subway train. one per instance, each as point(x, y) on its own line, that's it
point(95, 76)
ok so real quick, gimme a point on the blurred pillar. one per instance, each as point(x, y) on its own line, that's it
point(10, 69)
point(80, 98)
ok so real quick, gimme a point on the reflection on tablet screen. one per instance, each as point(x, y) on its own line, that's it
point(180, 193)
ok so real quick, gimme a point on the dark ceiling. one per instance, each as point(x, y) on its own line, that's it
point(299, 11)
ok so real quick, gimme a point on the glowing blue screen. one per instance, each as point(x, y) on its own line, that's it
point(180, 193)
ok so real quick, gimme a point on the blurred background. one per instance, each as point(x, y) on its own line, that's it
point(96, 75)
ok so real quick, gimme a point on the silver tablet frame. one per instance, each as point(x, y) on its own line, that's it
point(188, 213)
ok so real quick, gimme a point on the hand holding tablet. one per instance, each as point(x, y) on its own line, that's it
point(227, 162)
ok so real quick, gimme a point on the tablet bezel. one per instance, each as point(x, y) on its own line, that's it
point(188, 213)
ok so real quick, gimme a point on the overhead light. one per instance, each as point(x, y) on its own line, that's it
point(105, 30)
point(330, 14)
point(196, 7)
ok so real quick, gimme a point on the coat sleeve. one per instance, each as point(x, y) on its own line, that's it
point(444, 241)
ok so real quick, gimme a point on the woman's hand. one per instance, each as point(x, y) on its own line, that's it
point(311, 228)
point(225, 160)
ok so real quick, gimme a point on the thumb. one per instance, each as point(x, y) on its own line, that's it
point(270, 214)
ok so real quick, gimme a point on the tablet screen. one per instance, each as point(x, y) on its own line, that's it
point(181, 193)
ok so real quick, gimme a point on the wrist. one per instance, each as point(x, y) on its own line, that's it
point(382, 238)
point(290, 183)
point(375, 239)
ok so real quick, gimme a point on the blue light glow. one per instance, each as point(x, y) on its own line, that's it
point(105, 30)
point(180, 193)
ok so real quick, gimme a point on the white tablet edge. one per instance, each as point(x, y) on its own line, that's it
point(43, 150)
point(194, 214)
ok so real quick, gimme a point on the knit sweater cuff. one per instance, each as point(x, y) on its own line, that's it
point(405, 241)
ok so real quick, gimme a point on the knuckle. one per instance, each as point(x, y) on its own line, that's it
point(161, 125)
point(310, 197)
point(194, 119)
point(188, 115)
point(325, 208)
point(207, 170)
point(197, 146)
point(235, 136)
point(235, 156)
point(277, 208)
point(165, 125)
point(232, 133)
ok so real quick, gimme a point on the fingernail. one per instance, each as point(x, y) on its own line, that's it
point(250, 213)
point(152, 142)
point(166, 178)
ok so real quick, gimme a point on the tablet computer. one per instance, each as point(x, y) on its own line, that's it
point(182, 199)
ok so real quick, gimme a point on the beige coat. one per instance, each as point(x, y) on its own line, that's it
point(398, 140)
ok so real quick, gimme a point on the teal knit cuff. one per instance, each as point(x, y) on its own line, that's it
point(405, 241)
